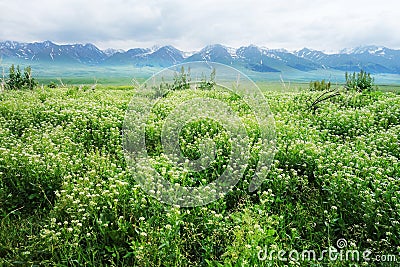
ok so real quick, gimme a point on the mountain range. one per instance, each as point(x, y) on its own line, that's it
point(373, 59)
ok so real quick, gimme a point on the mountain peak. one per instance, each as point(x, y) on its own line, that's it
point(10, 44)
point(47, 43)
point(211, 47)
point(167, 47)
point(371, 49)
point(111, 51)
point(220, 49)
point(215, 52)
point(304, 50)
point(91, 46)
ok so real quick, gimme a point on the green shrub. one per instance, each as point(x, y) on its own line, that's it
point(319, 85)
point(52, 85)
point(182, 81)
point(360, 82)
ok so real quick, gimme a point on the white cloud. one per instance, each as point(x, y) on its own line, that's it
point(292, 24)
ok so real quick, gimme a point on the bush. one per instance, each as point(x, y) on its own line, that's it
point(360, 82)
point(319, 85)
point(17, 80)
point(52, 85)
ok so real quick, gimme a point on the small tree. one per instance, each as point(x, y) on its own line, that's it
point(3, 80)
point(361, 81)
point(29, 81)
point(319, 85)
point(208, 84)
point(17, 80)
point(182, 80)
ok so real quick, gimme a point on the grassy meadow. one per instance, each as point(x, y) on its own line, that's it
point(68, 199)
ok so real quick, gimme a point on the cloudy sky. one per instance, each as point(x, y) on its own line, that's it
point(190, 25)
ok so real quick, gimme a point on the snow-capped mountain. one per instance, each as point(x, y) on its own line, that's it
point(313, 55)
point(216, 53)
point(111, 51)
point(371, 49)
point(374, 59)
point(156, 57)
point(50, 52)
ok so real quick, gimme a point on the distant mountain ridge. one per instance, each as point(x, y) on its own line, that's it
point(374, 59)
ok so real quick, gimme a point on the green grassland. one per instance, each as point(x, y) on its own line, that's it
point(67, 198)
